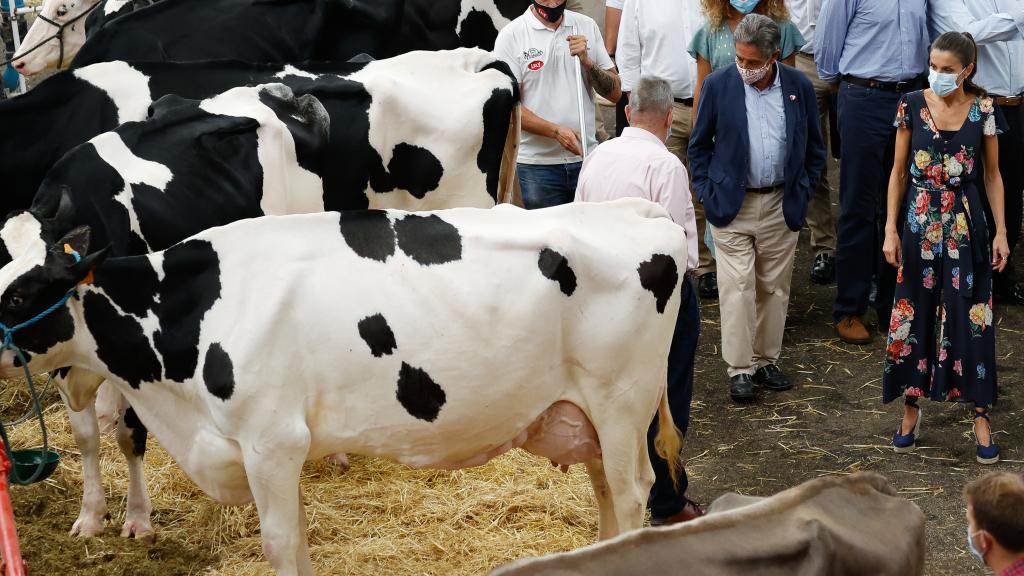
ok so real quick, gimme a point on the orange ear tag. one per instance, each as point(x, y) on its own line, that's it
point(88, 277)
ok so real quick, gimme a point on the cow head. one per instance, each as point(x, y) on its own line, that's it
point(55, 37)
point(38, 276)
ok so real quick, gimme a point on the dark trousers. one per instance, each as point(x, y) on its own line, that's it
point(666, 499)
point(1011, 168)
point(867, 139)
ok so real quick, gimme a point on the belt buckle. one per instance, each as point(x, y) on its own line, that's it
point(901, 86)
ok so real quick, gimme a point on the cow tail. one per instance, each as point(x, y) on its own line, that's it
point(668, 443)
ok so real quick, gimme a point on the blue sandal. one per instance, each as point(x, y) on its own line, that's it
point(905, 443)
point(986, 454)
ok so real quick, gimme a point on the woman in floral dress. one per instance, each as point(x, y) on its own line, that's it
point(941, 341)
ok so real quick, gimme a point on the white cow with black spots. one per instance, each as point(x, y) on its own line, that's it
point(253, 347)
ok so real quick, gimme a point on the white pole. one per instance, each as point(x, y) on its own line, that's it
point(579, 99)
point(16, 34)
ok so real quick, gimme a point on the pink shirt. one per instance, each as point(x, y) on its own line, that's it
point(638, 165)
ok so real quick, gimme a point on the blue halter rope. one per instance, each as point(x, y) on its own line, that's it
point(8, 344)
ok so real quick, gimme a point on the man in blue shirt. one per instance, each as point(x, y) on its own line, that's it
point(998, 28)
point(756, 154)
point(872, 51)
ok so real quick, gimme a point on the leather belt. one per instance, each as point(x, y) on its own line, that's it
point(901, 86)
point(684, 101)
point(1008, 100)
point(766, 190)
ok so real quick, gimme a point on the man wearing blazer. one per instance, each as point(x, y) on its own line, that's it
point(756, 153)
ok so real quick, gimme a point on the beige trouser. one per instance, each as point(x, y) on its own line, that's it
point(677, 144)
point(755, 268)
point(819, 210)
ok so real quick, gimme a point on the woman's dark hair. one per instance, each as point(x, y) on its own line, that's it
point(962, 45)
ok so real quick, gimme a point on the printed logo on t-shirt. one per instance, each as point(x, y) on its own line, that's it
point(535, 65)
point(532, 54)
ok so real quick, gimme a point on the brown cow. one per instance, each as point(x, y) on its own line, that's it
point(849, 525)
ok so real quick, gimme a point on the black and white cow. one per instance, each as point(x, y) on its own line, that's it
point(458, 142)
point(253, 347)
point(256, 31)
point(193, 165)
point(147, 185)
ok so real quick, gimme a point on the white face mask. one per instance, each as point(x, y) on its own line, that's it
point(752, 77)
point(974, 550)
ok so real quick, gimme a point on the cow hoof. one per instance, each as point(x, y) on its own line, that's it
point(140, 530)
point(340, 460)
point(87, 527)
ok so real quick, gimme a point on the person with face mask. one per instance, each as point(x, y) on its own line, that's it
point(756, 153)
point(541, 49)
point(713, 47)
point(871, 52)
point(944, 265)
point(995, 522)
point(637, 164)
point(998, 28)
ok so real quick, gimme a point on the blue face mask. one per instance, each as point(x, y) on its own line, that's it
point(970, 546)
point(744, 6)
point(943, 84)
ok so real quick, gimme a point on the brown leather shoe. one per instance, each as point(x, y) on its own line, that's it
point(851, 330)
point(691, 511)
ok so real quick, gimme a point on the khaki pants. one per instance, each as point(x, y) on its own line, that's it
point(755, 269)
point(677, 144)
point(819, 210)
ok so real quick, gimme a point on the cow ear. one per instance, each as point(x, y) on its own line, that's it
point(77, 240)
point(64, 216)
point(83, 269)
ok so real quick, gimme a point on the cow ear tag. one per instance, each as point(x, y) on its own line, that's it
point(69, 250)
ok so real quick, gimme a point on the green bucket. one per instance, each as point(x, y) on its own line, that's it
point(26, 462)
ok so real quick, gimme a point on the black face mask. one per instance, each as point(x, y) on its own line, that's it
point(550, 14)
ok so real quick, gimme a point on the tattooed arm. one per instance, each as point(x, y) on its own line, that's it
point(605, 82)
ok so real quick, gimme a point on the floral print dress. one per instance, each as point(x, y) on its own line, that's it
point(946, 277)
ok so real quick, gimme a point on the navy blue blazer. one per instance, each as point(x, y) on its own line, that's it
point(719, 146)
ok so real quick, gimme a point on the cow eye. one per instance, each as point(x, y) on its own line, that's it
point(62, 11)
point(14, 302)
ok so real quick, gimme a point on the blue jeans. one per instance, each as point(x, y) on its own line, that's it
point(545, 185)
point(667, 499)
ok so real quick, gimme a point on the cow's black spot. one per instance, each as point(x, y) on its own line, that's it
point(660, 276)
point(419, 394)
point(428, 239)
point(138, 432)
point(218, 372)
point(137, 296)
point(190, 286)
point(369, 233)
point(120, 342)
point(374, 330)
point(555, 267)
point(53, 113)
point(495, 118)
point(414, 169)
point(478, 30)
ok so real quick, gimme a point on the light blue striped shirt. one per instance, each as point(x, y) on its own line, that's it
point(766, 129)
point(998, 28)
point(883, 40)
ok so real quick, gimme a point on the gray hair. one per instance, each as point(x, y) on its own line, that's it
point(651, 95)
point(761, 31)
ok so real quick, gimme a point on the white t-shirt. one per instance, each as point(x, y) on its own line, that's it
point(615, 3)
point(539, 58)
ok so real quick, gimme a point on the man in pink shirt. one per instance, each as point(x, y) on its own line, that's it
point(638, 165)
